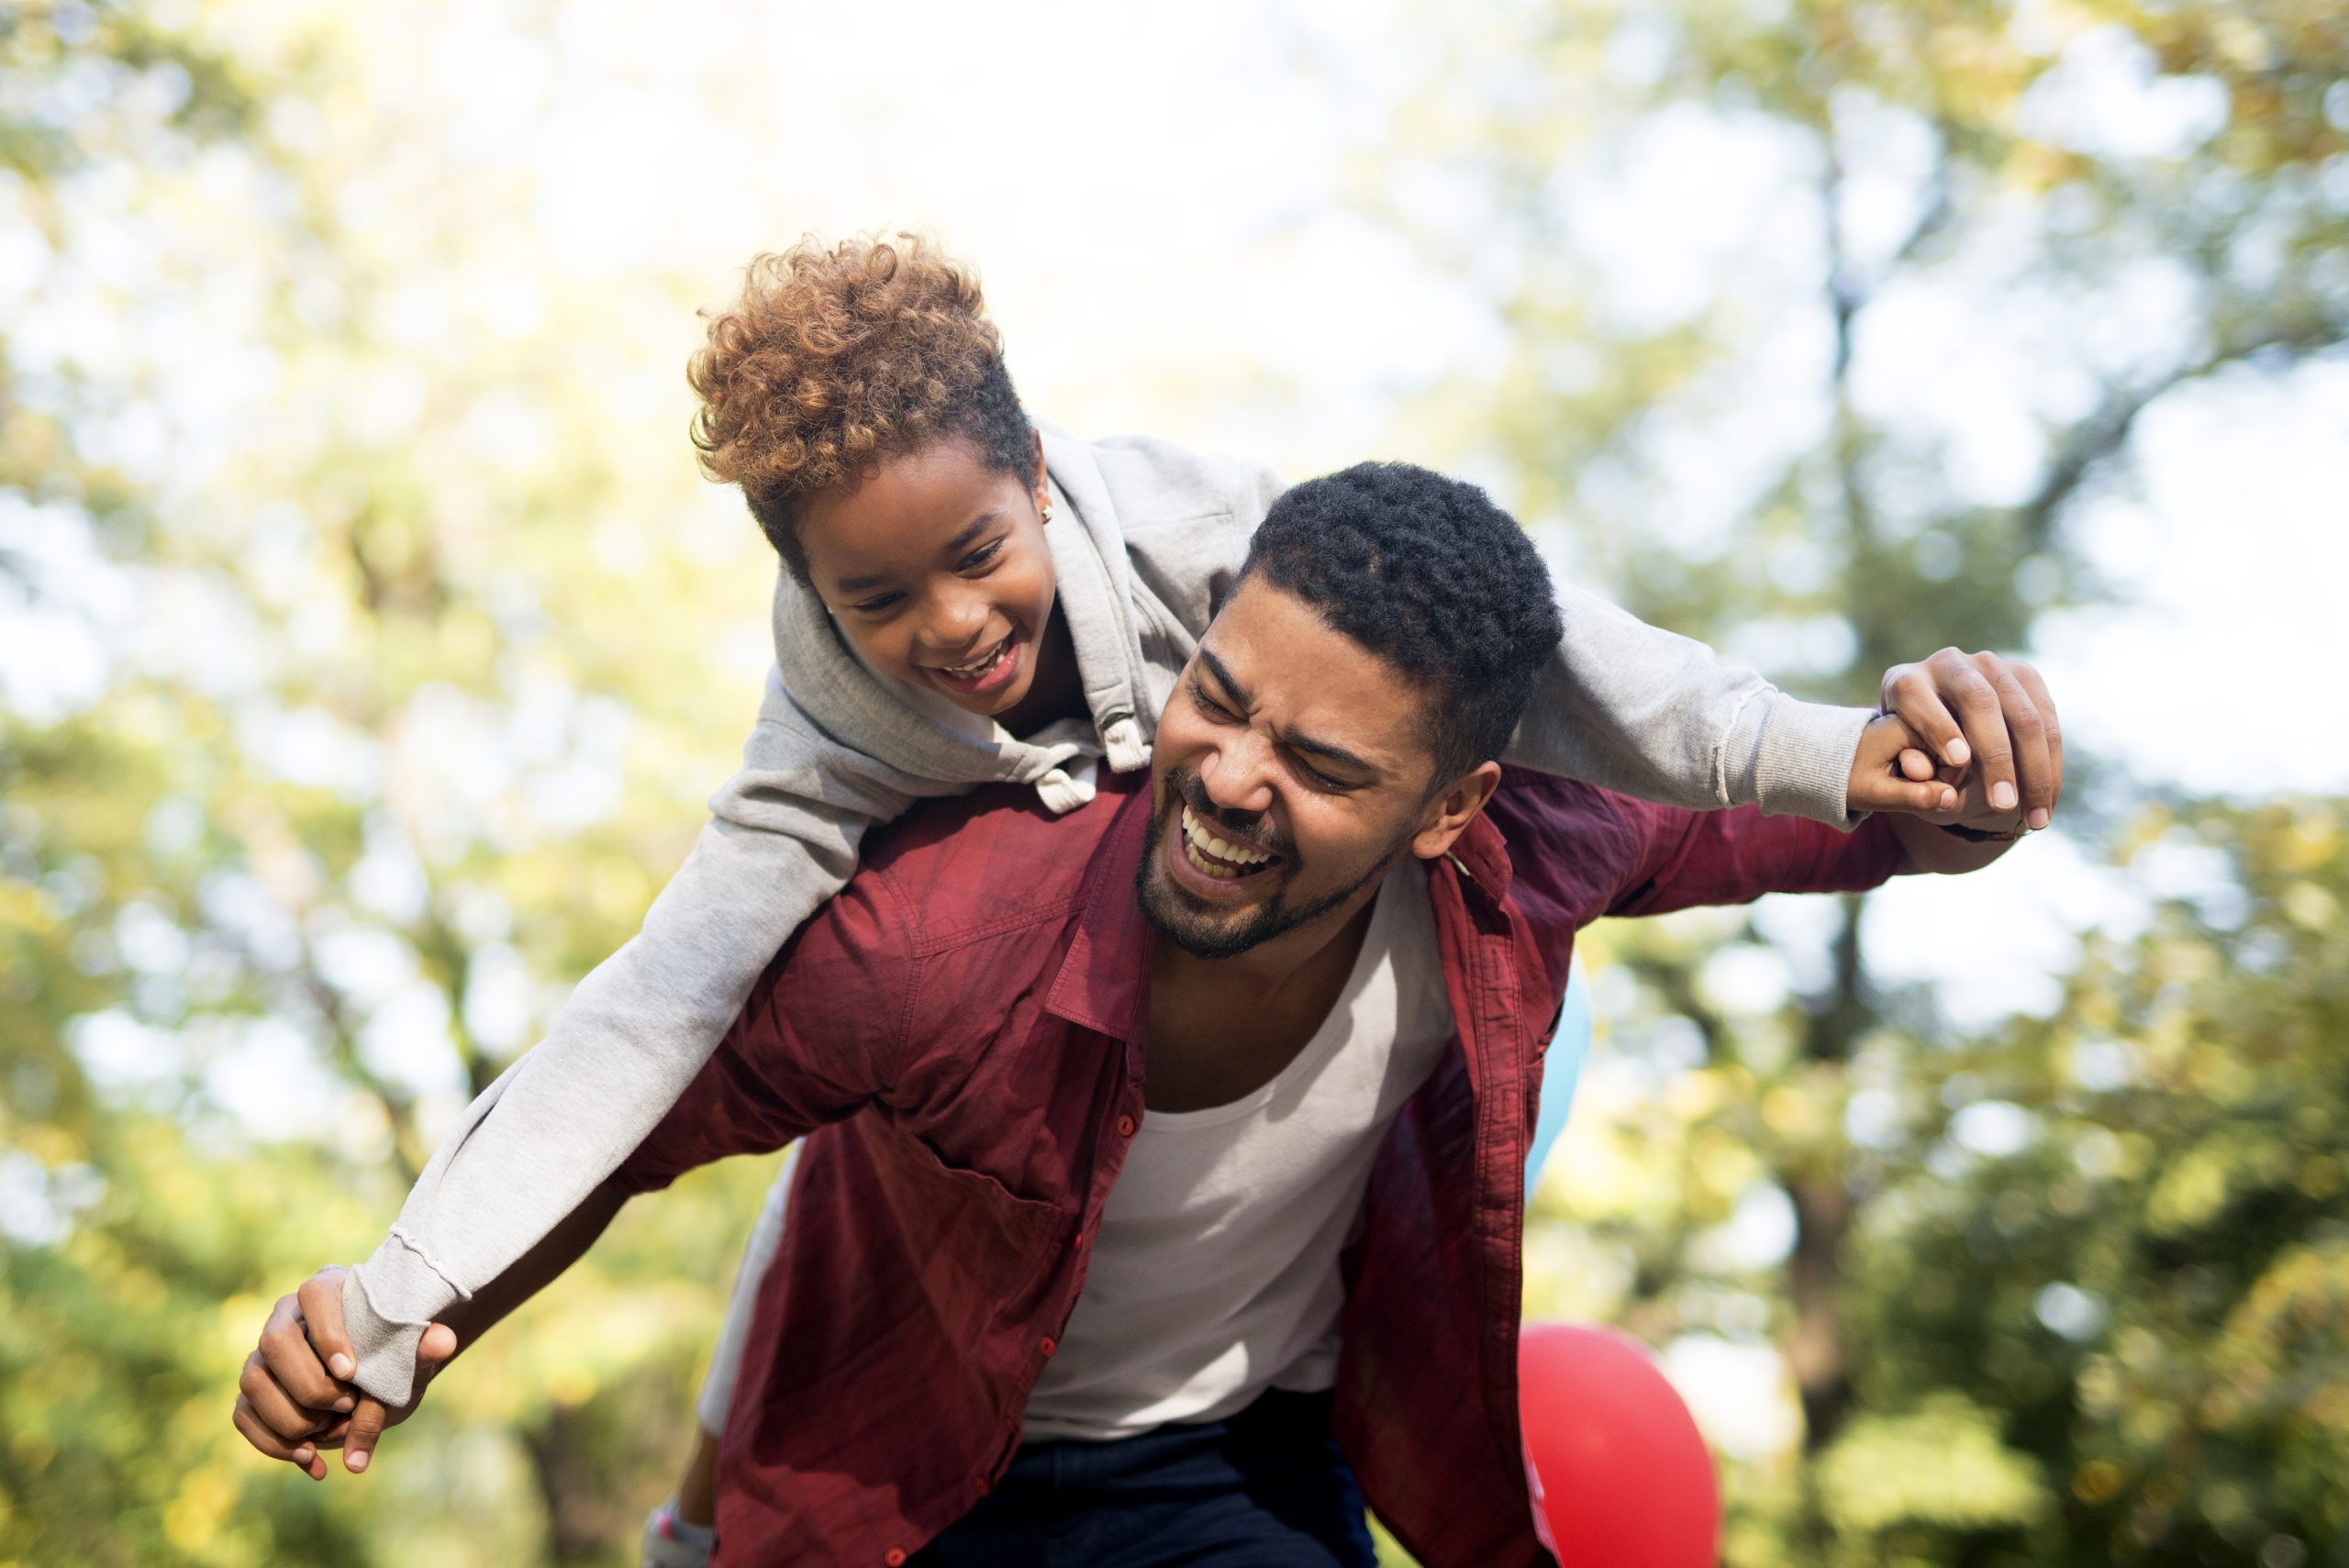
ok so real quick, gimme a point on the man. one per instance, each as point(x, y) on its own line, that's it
point(1182, 1137)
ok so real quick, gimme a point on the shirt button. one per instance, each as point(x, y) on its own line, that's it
point(894, 1557)
point(1125, 1126)
point(1049, 1344)
point(980, 1487)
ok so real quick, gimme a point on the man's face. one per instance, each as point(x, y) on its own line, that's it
point(1289, 771)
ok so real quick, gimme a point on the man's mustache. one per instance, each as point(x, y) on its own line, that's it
point(1254, 832)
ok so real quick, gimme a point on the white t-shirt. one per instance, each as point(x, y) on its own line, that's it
point(1215, 1273)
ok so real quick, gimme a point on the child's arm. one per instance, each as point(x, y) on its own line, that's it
point(1623, 704)
point(783, 837)
point(1647, 712)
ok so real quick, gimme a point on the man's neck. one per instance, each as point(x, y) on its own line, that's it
point(1221, 1028)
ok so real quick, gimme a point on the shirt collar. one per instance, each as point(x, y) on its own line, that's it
point(1102, 981)
point(1482, 854)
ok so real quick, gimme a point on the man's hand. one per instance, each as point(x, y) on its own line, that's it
point(294, 1397)
point(1962, 713)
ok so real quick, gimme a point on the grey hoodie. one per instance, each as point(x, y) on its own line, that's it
point(1146, 540)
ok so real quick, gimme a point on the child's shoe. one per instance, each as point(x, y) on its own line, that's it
point(671, 1542)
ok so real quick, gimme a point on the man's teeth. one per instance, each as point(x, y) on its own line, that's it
point(1200, 838)
point(972, 671)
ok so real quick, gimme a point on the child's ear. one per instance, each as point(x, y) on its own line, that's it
point(1041, 484)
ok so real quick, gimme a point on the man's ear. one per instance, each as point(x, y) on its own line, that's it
point(1453, 807)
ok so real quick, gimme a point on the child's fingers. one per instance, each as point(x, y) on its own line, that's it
point(366, 1430)
point(1885, 792)
point(439, 1343)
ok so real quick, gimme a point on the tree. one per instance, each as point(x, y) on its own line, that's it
point(384, 730)
point(2077, 209)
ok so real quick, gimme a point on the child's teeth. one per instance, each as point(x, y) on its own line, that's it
point(968, 672)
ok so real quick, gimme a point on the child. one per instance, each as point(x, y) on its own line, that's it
point(968, 598)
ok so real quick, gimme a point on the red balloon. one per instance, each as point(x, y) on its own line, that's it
point(1626, 1479)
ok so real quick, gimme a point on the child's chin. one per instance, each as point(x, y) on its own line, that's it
point(987, 704)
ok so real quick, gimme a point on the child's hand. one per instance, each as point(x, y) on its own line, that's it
point(1961, 712)
point(294, 1399)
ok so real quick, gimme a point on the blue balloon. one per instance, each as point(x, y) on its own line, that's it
point(1567, 1048)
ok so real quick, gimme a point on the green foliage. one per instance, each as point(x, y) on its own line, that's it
point(2151, 1291)
point(1759, 449)
point(425, 673)
point(1940, 1466)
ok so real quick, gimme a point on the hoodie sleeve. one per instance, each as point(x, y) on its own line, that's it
point(782, 837)
point(1622, 705)
point(1632, 707)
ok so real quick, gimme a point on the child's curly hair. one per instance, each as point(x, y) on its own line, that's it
point(837, 356)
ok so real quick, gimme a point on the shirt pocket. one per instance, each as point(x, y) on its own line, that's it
point(987, 1257)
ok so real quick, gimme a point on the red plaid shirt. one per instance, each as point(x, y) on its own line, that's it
point(958, 1038)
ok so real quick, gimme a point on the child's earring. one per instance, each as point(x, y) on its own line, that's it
point(1047, 512)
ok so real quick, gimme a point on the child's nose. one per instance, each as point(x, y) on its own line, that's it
point(956, 621)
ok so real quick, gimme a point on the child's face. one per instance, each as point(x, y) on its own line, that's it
point(936, 568)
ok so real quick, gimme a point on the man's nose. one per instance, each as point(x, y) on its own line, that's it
point(1237, 775)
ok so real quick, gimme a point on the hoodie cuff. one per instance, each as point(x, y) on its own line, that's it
point(387, 1303)
point(1794, 758)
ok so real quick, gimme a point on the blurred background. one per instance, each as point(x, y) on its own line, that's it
point(368, 644)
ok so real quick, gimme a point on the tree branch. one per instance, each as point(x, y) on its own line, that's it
point(2104, 433)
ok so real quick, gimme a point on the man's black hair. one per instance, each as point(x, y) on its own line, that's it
point(1427, 574)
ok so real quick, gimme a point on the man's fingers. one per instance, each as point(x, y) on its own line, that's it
point(2037, 687)
point(301, 1454)
point(1911, 693)
point(287, 1353)
point(278, 1412)
point(366, 1429)
point(332, 1434)
point(321, 1302)
point(1984, 718)
point(2028, 736)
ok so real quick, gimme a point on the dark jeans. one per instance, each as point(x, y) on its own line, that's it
point(1266, 1488)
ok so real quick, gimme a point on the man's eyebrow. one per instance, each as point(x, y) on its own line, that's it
point(978, 525)
point(1238, 693)
point(1326, 751)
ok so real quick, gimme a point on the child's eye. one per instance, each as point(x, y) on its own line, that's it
point(878, 602)
point(981, 557)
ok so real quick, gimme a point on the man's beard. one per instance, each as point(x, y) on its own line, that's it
point(1170, 908)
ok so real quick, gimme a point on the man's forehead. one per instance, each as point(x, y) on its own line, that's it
point(1296, 669)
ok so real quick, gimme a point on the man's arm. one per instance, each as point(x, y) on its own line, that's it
point(1686, 858)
